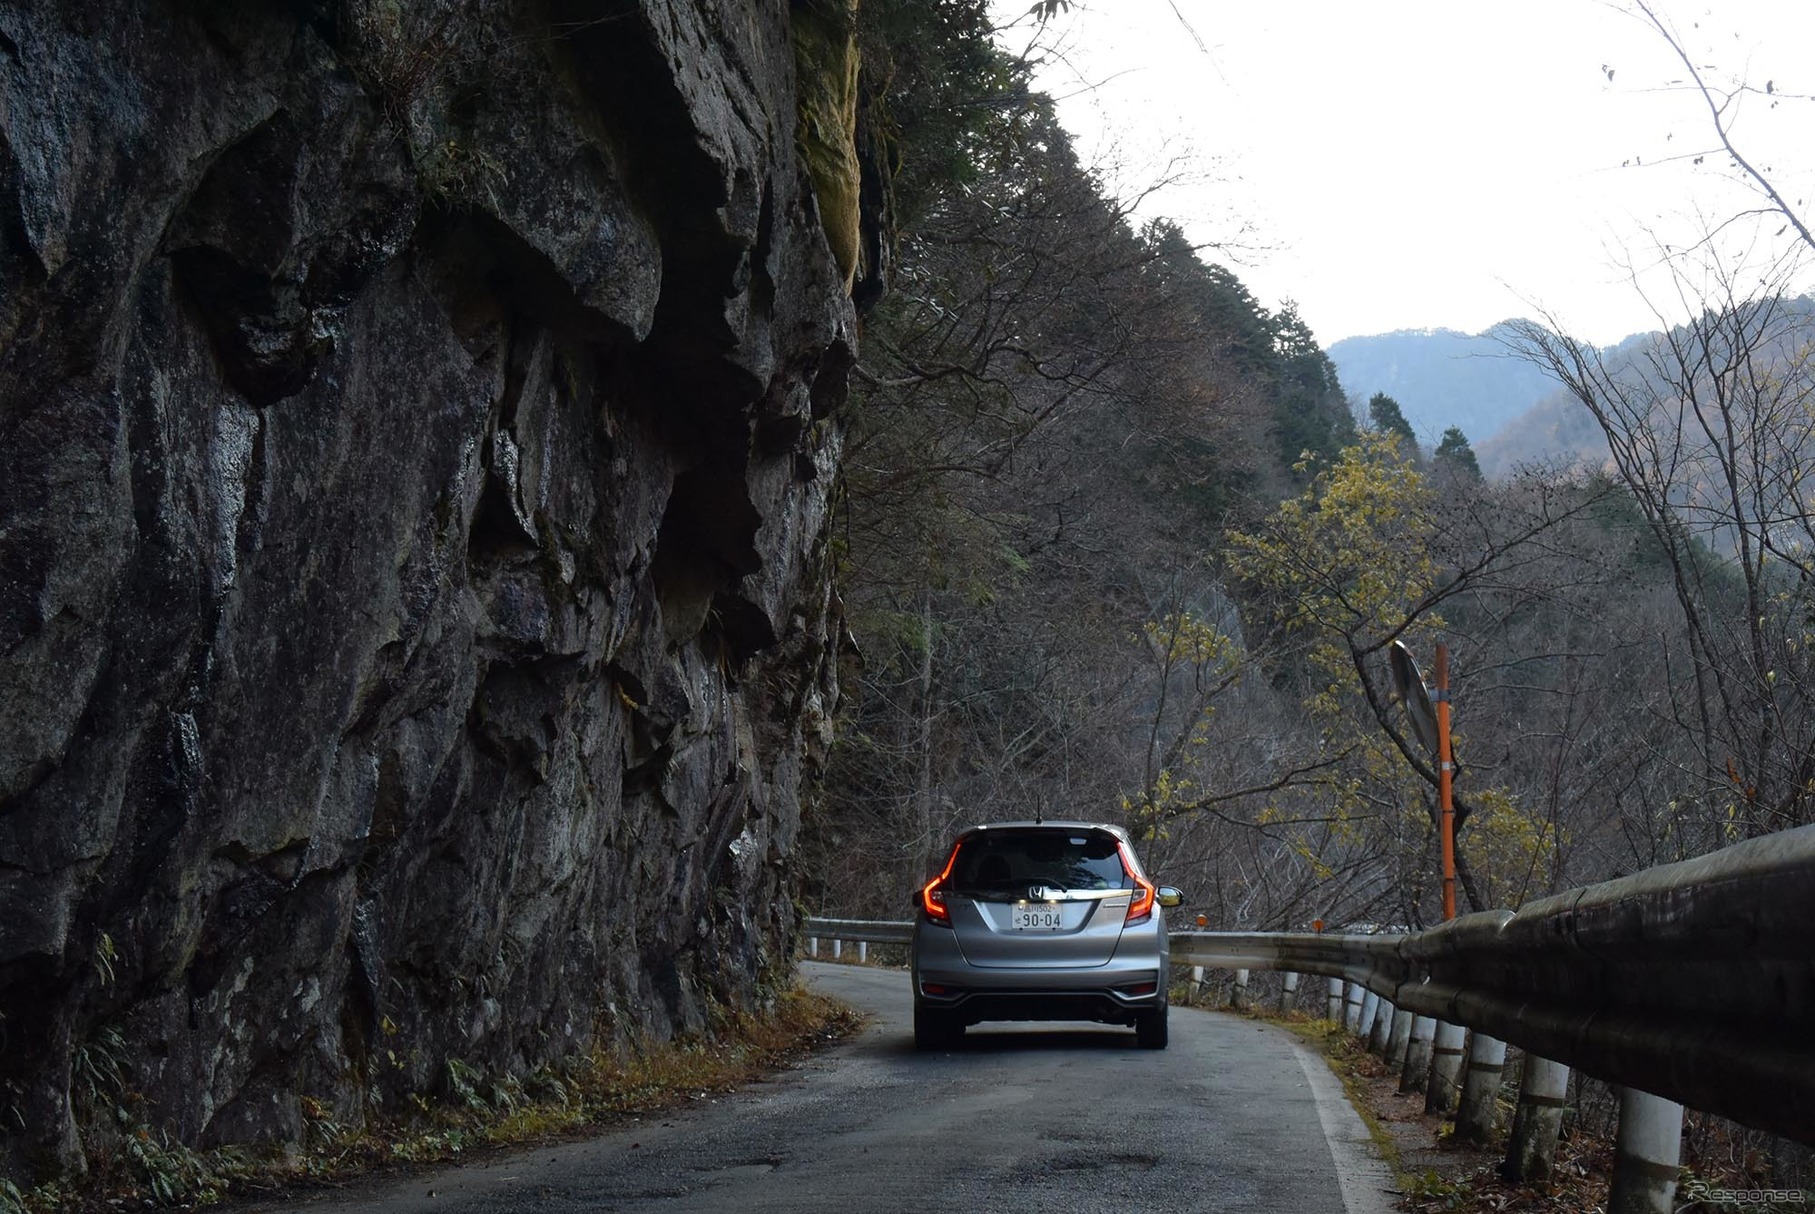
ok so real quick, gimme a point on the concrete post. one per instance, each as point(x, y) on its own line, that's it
point(812, 946)
point(1478, 1115)
point(1646, 1154)
point(1238, 994)
point(1417, 1067)
point(1531, 1148)
point(1370, 1004)
point(1335, 1000)
point(863, 951)
point(1351, 1015)
point(1397, 1038)
point(838, 950)
point(1288, 989)
point(1378, 1031)
point(1444, 1086)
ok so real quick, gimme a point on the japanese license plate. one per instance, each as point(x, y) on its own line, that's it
point(1036, 917)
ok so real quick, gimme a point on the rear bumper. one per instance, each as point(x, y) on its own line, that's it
point(1133, 980)
point(1112, 1006)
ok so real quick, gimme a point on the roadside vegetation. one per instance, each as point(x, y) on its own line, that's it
point(136, 1166)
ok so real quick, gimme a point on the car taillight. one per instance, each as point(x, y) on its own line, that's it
point(932, 898)
point(1141, 904)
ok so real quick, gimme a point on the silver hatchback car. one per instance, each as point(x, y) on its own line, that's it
point(1041, 921)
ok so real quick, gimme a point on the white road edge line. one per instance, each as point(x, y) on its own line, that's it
point(1367, 1183)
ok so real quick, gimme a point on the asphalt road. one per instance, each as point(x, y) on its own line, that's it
point(1232, 1116)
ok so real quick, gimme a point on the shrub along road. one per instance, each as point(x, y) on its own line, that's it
point(1233, 1116)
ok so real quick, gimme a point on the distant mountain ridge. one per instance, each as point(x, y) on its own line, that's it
point(1559, 429)
point(1513, 412)
point(1443, 378)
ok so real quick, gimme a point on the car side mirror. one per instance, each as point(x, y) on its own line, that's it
point(1167, 896)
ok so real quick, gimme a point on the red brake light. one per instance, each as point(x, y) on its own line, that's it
point(1141, 904)
point(932, 901)
point(932, 897)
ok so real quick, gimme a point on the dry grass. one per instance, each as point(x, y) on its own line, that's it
point(477, 1113)
point(1435, 1173)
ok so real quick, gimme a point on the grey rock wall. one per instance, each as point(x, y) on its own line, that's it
point(415, 439)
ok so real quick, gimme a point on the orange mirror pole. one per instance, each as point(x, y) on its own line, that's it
point(1445, 775)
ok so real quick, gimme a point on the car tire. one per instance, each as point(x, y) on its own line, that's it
point(935, 1029)
point(1150, 1028)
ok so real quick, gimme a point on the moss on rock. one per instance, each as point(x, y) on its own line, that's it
point(825, 63)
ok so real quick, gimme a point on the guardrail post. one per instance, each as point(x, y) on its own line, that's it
point(1370, 1005)
point(1288, 987)
point(1377, 1032)
point(1238, 994)
point(1646, 1154)
point(1531, 1147)
point(1446, 1069)
point(1352, 1011)
point(837, 950)
point(1417, 1055)
point(1477, 1115)
point(1197, 979)
point(863, 952)
point(1397, 1037)
point(1335, 1000)
point(812, 946)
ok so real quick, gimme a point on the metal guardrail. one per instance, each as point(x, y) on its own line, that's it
point(867, 931)
point(1693, 981)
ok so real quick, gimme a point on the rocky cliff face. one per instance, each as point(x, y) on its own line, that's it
point(415, 440)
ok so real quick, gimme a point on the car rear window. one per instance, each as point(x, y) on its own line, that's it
point(1011, 861)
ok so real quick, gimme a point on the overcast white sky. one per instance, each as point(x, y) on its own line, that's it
point(1395, 164)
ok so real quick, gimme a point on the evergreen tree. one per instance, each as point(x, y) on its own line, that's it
point(1455, 455)
point(1388, 418)
point(1233, 320)
point(1309, 414)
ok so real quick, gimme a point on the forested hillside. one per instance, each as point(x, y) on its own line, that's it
point(1559, 430)
point(1055, 415)
point(1111, 547)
